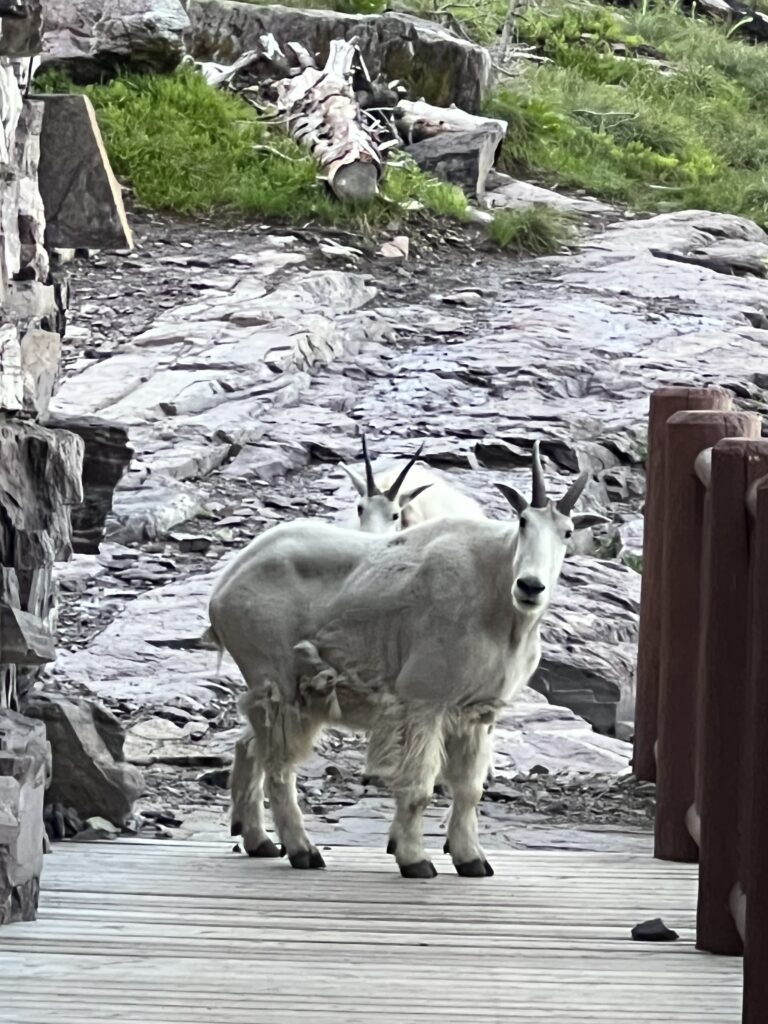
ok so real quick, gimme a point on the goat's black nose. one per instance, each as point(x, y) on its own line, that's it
point(531, 586)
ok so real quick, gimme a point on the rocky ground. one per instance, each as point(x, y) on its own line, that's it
point(245, 361)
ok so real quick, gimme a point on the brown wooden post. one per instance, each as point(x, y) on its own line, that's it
point(755, 825)
point(687, 434)
point(723, 682)
point(665, 402)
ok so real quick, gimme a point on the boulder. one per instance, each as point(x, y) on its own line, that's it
point(29, 366)
point(92, 39)
point(22, 27)
point(82, 199)
point(461, 158)
point(24, 766)
point(105, 460)
point(590, 643)
point(430, 60)
point(90, 774)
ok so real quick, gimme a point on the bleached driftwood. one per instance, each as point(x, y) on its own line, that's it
point(332, 111)
point(418, 120)
point(321, 113)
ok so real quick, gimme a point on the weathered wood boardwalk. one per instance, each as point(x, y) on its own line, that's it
point(175, 933)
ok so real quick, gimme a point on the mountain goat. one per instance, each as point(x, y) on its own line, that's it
point(383, 507)
point(418, 639)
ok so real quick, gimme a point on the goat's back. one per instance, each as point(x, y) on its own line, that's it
point(441, 501)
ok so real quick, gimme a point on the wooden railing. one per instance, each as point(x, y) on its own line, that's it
point(701, 730)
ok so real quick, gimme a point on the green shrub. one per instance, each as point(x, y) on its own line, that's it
point(538, 230)
point(627, 131)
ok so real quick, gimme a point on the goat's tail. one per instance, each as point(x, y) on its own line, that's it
point(210, 641)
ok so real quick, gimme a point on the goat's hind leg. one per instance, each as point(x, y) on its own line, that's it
point(291, 735)
point(247, 790)
point(467, 758)
point(289, 821)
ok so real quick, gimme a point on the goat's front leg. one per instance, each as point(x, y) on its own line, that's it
point(417, 754)
point(247, 790)
point(406, 837)
point(289, 821)
point(467, 760)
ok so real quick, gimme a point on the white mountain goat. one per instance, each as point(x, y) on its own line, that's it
point(383, 508)
point(418, 639)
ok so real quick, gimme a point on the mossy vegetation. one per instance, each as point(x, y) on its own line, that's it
point(686, 131)
point(537, 230)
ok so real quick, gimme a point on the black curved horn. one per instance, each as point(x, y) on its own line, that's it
point(393, 490)
point(539, 494)
point(370, 482)
point(572, 495)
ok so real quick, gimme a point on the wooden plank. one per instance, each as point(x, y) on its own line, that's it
point(687, 434)
point(664, 403)
point(754, 824)
point(723, 688)
point(175, 934)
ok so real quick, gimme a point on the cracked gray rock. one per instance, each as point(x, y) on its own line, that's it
point(566, 349)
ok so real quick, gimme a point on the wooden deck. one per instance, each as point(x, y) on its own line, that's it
point(172, 932)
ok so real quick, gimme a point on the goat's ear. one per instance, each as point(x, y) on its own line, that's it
point(360, 485)
point(409, 496)
point(584, 519)
point(515, 498)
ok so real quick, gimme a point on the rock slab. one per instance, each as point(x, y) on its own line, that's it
point(82, 199)
point(24, 765)
point(461, 158)
point(89, 774)
point(431, 61)
point(106, 458)
point(94, 38)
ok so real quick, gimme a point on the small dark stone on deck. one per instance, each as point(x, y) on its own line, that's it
point(653, 931)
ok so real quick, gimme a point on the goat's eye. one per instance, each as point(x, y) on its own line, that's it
point(359, 510)
point(395, 515)
point(568, 534)
point(523, 522)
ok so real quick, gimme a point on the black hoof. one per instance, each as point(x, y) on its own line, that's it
point(236, 828)
point(446, 847)
point(474, 869)
point(305, 860)
point(421, 869)
point(392, 847)
point(266, 848)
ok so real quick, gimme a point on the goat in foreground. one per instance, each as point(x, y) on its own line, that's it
point(383, 508)
point(418, 639)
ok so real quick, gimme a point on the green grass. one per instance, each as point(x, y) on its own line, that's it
point(622, 130)
point(537, 230)
point(188, 148)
